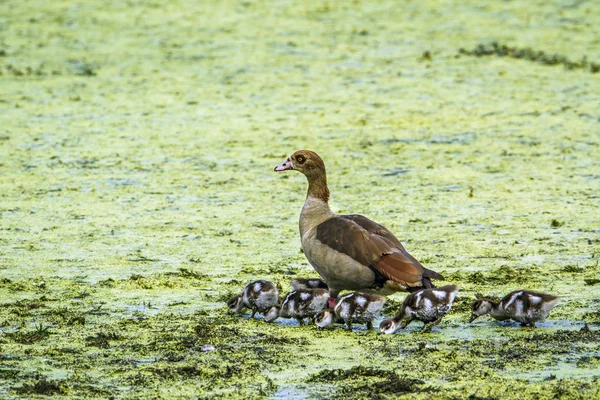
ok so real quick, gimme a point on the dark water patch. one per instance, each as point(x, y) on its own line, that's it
point(529, 54)
point(396, 172)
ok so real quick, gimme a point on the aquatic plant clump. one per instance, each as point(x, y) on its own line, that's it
point(527, 53)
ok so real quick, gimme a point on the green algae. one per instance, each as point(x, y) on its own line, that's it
point(137, 142)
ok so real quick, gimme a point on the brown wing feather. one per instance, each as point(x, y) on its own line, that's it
point(374, 227)
point(348, 237)
point(399, 268)
point(373, 245)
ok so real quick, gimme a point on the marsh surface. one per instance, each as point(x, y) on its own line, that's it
point(137, 192)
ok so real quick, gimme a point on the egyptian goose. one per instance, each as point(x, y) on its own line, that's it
point(258, 296)
point(354, 307)
point(427, 305)
point(524, 306)
point(350, 252)
point(299, 304)
point(308, 283)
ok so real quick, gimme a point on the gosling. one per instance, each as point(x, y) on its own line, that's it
point(354, 307)
point(426, 305)
point(524, 306)
point(299, 304)
point(258, 296)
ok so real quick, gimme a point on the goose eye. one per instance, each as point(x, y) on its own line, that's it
point(300, 159)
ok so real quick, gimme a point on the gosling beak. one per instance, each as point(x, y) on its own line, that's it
point(473, 318)
point(284, 166)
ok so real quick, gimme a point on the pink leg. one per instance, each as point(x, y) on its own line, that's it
point(331, 302)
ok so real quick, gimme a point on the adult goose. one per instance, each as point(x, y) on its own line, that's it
point(350, 252)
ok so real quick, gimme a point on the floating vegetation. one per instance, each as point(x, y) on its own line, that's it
point(102, 339)
point(527, 53)
point(43, 387)
point(39, 333)
point(358, 382)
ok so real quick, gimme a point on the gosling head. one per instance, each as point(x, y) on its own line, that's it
point(389, 326)
point(272, 314)
point(480, 307)
point(324, 318)
point(235, 303)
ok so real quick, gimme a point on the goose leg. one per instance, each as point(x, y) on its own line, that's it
point(333, 293)
point(349, 326)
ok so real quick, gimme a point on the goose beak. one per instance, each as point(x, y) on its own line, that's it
point(473, 318)
point(284, 166)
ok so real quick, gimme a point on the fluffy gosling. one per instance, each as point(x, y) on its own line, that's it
point(354, 307)
point(426, 305)
point(259, 296)
point(524, 306)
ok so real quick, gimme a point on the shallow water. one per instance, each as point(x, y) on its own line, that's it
point(137, 143)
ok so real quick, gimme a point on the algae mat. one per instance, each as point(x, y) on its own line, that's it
point(137, 142)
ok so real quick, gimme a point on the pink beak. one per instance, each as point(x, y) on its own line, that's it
point(284, 166)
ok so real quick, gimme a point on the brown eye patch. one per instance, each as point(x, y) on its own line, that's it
point(300, 159)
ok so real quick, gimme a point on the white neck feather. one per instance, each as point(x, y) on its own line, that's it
point(314, 212)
